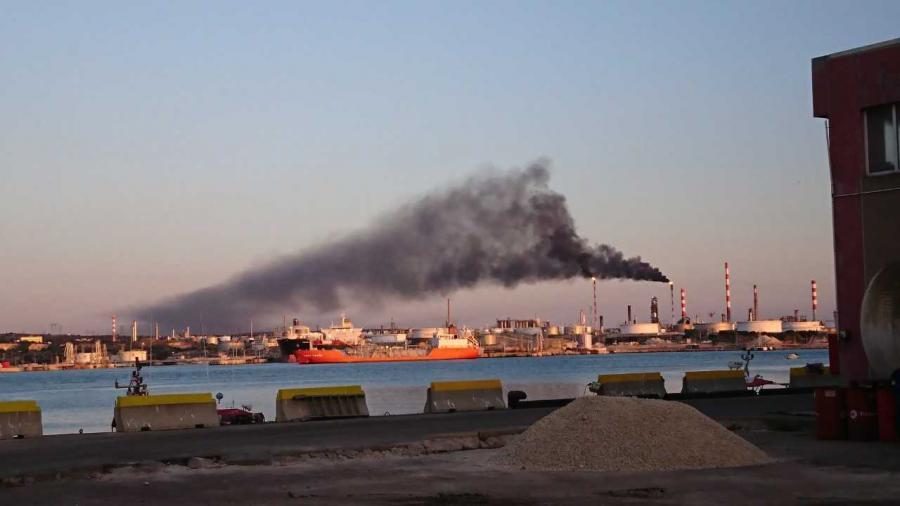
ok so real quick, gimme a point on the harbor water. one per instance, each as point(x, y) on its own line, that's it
point(84, 399)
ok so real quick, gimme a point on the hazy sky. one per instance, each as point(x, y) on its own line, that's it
point(152, 148)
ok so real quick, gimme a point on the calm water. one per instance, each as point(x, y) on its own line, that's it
point(71, 400)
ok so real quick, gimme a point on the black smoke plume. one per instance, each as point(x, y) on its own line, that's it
point(501, 228)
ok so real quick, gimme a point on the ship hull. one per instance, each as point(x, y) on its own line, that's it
point(340, 357)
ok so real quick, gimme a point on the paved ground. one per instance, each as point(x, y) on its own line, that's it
point(808, 472)
point(50, 455)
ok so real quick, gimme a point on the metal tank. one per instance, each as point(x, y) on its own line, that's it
point(760, 326)
point(880, 322)
point(639, 329)
point(801, 326)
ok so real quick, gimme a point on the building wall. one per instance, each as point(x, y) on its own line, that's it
point(866, 209)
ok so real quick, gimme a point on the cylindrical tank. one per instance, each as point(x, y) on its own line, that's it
point(586, 341)
point(426, 332)
point(801, 326)
point(553, 330)
point(761, 326)
point(639, 329)
point(489, 340)
point(712, 328)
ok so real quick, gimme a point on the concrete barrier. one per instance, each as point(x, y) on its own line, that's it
point(317, 403)
point(641, 384)
point(813, 377)
point(708, 382)
point(477, 395)
point(135, 413)
point(20, 419)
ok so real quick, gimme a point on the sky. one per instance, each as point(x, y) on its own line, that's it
point(149, 149)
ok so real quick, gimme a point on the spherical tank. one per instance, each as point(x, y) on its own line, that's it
point(880, 322)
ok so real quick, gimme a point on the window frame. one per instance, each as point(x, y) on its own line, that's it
point(894, 106)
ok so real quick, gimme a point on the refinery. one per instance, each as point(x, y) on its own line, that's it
point(641, 330)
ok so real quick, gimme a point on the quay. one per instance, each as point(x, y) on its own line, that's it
point(262, 464)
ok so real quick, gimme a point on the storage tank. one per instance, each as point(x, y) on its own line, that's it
point(585, 341)
point(575, 330)
point(801, 326)
point(426, 332)
point(760, 326)
point(396, 338)
point(553, 330)
point(712, 328)
point(639, 329)
point(489, 340)
point(879, 321)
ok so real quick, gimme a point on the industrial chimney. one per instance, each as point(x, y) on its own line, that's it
point(727, 293)
point(755, 303)
point(815, 300)
point(654, 310)
point(628, 320)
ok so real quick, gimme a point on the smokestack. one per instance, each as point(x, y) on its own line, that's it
point(796, 315)
point(749, 314)
point(628, 321)
point(654, 310)
point(683, 307)
point(672, 302)
point(115, 329)
point(448, 313)
point(156, 330)
point(815, 300)
point(755, 303)
point(496, 228)
point(727, 293)
point(133, 331)
point(594, 311)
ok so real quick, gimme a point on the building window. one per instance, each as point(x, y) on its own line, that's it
point(882, 139)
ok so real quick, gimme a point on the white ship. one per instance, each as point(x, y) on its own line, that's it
point(343, 333)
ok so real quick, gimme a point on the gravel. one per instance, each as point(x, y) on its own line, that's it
point(628, 434)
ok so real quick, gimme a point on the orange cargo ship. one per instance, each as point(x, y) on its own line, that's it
point(336, 356)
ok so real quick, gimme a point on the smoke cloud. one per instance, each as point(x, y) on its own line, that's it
point(501, 228)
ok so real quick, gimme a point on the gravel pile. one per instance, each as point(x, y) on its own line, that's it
point(628, 434)
point(765, 340)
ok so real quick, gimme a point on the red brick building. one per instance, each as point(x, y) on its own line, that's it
point(858, 92)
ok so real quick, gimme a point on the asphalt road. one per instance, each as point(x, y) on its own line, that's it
point(49, 455)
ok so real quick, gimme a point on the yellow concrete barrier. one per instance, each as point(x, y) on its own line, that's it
point(20, 419)
point(136, 413)
point(813, 377)
point(476, 395)
point(640, 384)
point(293, 404)
point(714, 382)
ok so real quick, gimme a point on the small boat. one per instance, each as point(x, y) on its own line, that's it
point(792, 356)
point(734, 366)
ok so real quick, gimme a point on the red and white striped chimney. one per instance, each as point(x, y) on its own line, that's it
point(727, 293)
point(683, 307)
point(815, 299)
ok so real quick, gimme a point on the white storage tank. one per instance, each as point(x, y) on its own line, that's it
point(489, 340)
point(713, 327)
point(639, 329)
point(801, 326)
point(760, 326)
point(397, 338)
point(426, 332)
point(585, 341)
